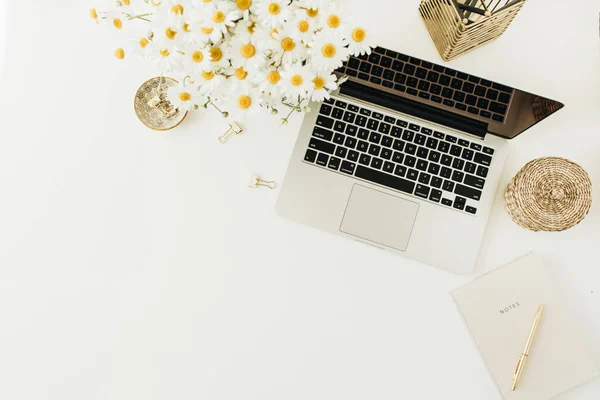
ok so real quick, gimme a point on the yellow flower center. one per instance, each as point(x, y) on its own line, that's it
point(208, 75)
point(274, 8)
point(319, 83)
point(244, 102)
point(186, 28)
point(248, 50)
point(185, 96)
point(251, 28)
point(358, 34)
point(218, 17)
point(143, 43)
point(207, 31)
point(170, 33)
point(117, 23)
point(296, 80)
point(155, 3)
point(243, 4)
point(207, 1)
point(273, 77)
point(126, 2)
point(197, 56)
point(177, 9)
point(333, 21)
point(328, 50)
point(241, 73)
point(274, 32)
point(216, 54)
point(120, 53)
point(165, 53)
point(312, 13)
point(93, 13)
point(303, 26)
point(288, 44)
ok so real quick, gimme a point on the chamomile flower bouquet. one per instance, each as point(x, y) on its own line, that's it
point(239, 56)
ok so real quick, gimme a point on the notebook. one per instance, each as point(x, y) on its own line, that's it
point(499, 308)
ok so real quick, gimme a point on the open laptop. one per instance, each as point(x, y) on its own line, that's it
point(406, 156)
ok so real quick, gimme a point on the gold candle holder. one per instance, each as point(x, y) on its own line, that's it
point(152, 107)
point(459, 26)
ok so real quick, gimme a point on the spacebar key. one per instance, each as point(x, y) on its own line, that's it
point(380, 178)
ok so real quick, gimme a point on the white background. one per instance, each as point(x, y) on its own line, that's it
point(137, 265)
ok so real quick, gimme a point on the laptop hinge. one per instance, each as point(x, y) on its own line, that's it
point(414, 108)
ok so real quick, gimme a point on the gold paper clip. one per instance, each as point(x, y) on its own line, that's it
point(234, 129)
point(255, 182)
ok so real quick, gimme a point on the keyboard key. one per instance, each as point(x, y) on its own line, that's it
point(375, 80)
point(450, 72)
point(468, 192)
point(339, 126)
point(324, 122)
point(470, 168)
point(384, 128)
point(400, 88)
point(398, 65)
point(387, 141)
point(455, 150)
point(462, 75)
point(436, 182)
point(422, 165)
point(473, 110)
point(400, 170)
point(412, 174)
point(376, 163)
point(364, 159)
point(400, 78)
point(432, 143)
point(480, 91)
point(502, 87)
point(483, 103)
point(396, 132)
point(363, 76)
point(424, 95)
point(401, 123)
point(375, 137)
point(459, 96)
point(349, 117)
point(398, 145)
point(487, 150)
point(420, 139)
point(310, 156)
point(353, 155)
point(340, 104)
point(449, 103)
point(456, 84)
point(446, 160)
point(460, 106)
point(476, 146)
point(353, 108)
point(351, 130)
point(322, 159)
point(458, 176)
point(390, 120)
point(408, 135)
point(492, 94)
point(372, 124)
point(363, 134)
point(468, 87)
point(365, 67)
point(351, 72)
point(424, 178)
point(433, 76)
point(410, 148)
point(458, 164)
point(447, 202)
point(448, 186)
point(374, 150)
point(409, 69)
point(498, 118)
point(433, 168)
point(321, 146)
point(384, 179)
point(365, 112)
point(341, 152)
point(386, 62)
point(362, 146)
point(348, 167)
point(459, 205)
point(374, 57)
point(485, 82)
point(422, 152)
point(445, 80)
point(444, 147)
point(421, 73)
point(482, 171)
point(388, 84)
point(437, 99)
point(322, 133)
point(471, 210)
point(438, 135)
point(435, 195)
point(339, 138)
point(325, 109)
point(410, 161)
point(386, 154)
point(450, 139)
point(353, 63)
point(485, 114)
point(474, 181)
point(334, 163)
point(504, 98)
point(463, 142)
point(337, 113)
point(424, 85)
point(412, 82)
point(438, 68)
point(484, 159)
point(361, 120)
point(422, 191)
point(467, 154)
point(414, 127)
point(398, 157)
point(498, 108)
point(377, 70)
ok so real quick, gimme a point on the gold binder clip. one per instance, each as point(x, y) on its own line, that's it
point(234, 129)
point(255, 182)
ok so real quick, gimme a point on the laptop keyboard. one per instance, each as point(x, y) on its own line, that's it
point(433, 82)
point(403, 156)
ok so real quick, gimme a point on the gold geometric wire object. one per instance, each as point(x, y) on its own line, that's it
point(153, 109)
point(549, 194)
point(459, 26)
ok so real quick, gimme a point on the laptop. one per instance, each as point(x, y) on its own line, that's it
point(407, 156)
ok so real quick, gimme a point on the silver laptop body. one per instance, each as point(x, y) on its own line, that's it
point(392, 169)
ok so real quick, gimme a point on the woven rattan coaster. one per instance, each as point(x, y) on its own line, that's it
point(549, 194)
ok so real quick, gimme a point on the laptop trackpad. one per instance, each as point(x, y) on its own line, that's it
point(379, 217)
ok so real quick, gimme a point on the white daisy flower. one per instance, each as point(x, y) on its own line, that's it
point(272, 13)
point(301, 27)
point(328, 51)
point(167, 60)
point(323, 85)
point(311, 11)
point(245, 54)
point(268, 81)
point(286, 49)
point(296, 80)
point(185, 97)
point(196, 59)
point(315, 4)
point(244, 30)
point(138, 45)
point(193, 25)
point(238, 79)
point(218, 60)
point(243, 103)
point(358, 39)
point(222, 17)
point(209, 82)
point(169, 34)
point(333, 17)
point(113, 18)
point(244, 7)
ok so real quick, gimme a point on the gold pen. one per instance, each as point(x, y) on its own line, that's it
point(525, 354)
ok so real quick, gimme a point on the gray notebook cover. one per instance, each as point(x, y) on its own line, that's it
point(499, 308)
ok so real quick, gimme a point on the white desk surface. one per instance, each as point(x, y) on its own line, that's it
point(138, 265)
